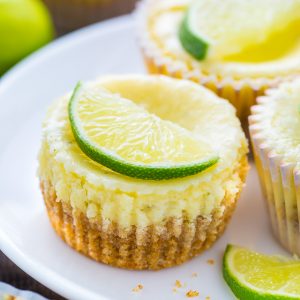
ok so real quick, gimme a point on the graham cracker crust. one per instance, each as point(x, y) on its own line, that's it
point(154, 247)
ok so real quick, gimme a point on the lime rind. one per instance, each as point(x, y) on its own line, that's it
point(191, 42)
point(243, 290)
point(119, 165)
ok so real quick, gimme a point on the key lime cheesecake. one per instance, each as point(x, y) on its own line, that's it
point(274, 130)
point(235, 48)
point(141, 172)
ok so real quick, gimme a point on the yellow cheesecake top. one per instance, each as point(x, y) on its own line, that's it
point(278, 56)
point(277, 121)
point(77, 177)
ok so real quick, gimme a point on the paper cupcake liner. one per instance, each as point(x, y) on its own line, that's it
point(241, 92)
point(72, 14)
point(158, 246)
point(280, 182)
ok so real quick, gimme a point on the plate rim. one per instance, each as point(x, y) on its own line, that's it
point(42, 273)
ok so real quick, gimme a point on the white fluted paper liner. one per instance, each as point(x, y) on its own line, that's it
point(280, 182)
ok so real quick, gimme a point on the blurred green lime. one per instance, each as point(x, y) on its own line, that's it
point(25, 25)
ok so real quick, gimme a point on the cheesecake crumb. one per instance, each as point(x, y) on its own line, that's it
point(191, 294)
point(138, 288)
point(207, 298)
point(210, 261)
point(174, 290)
point(194, 274)
point(178, 284)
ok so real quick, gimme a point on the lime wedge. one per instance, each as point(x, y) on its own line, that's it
point(254, 276)
point(219, 29)
point(124, 137)
point(191, 41)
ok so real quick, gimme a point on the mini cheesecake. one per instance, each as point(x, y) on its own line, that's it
point(239, 78)
point(144, 224)
point(274, 130)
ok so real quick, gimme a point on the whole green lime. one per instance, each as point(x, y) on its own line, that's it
point(25, 25)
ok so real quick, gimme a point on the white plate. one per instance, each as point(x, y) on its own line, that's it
point(25, 233)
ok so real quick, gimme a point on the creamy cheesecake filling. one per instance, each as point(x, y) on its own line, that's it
point(98, 191)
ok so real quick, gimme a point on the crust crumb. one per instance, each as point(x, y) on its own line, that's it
point(211, 261)
point(138, 288)
point(178, 284)
point(10, 297)
point(194, 274)
point(191, 294)
point(174, 290)
point(207, 298)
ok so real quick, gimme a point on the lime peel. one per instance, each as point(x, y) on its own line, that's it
point(25, 26)
point(113, 161)
point(191, 42)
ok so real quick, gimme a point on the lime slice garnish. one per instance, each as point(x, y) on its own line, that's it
point(254, 276)
point(219, 29)
point(124, 137)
